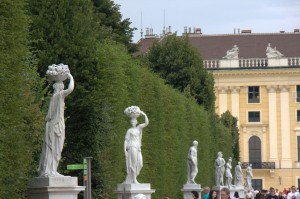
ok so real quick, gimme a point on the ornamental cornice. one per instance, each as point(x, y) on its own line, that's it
point(284, 88)
point(295, 71)
point(234, 89)
point(272, 88)
point(223, 89)
point(297, 130)
point(254, 127)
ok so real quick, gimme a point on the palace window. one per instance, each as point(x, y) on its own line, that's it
point(298, 116)
point(298, 147)
point(298, 93)
point(253, 94)
point(257, 184)
point(253, 116)
point(254, 149)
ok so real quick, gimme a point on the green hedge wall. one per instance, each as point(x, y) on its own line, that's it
point(107, 80)
point(20, 116)
point(175, 122)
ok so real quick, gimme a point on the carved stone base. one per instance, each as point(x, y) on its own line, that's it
point(188, 188)
point(54, 188)
point(128, 191)
point(229, 63)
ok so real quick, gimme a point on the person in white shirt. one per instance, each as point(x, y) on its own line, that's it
point(292, 193)
point(249, 194)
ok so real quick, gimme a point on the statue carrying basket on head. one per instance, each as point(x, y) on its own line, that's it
point(55, 122)
point(133, 143)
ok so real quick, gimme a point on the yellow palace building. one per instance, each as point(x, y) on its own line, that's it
point(257, 78)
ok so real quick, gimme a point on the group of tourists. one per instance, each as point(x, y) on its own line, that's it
point(272, 193)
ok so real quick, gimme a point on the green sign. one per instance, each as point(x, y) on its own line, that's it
point(76, 166)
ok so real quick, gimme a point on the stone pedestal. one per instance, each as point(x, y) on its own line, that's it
point(188, 188)
point(54, 188)
point(229, 63)
point(128, 191)
point(277, 62)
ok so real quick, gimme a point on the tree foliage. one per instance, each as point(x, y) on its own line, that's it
point(174, 123)
point(179, 63)
point(20, 118)
point(110, 17)
point(64, 31)
point(107, 80)
point(231, 123)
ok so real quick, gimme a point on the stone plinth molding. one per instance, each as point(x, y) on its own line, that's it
point(54, 188)
point(188, 188)
point(129, 191)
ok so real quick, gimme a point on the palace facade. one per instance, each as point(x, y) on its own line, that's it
point(257, 78)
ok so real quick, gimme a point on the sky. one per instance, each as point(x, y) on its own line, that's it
point(212, 16)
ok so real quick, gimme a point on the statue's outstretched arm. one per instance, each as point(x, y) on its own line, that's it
point(70, 87)
point(146, 121)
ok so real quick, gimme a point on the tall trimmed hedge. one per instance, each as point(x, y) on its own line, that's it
point(175, 122)
point(20, 117)
point(107, 80)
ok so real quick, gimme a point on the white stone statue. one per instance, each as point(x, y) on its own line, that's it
point(232, 53)
point(192, 163)
point(249, 176)
point(133, 143)
point(238, 175)
point(140, 196)
point(228, 173)
point(272, 52)
point(55, 121)
point(219, 169)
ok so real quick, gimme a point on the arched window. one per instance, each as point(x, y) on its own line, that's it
point(254, 149)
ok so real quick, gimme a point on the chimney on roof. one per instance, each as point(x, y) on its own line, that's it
point(296, 30)
point(246, 31)
point(198, 31)
point(282, 31)
point(185, 29)
point(169, 31)
point(234, 31)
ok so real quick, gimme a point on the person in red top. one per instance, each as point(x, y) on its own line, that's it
point(285, 191)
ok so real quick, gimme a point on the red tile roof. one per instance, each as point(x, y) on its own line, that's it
point(250, 45)
point(144, 45)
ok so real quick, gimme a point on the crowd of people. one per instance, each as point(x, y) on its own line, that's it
point(272, 193)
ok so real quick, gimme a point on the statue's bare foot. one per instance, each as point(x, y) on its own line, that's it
point(58, 175)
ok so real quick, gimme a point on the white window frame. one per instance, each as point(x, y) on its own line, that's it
point(260, 117)
point(296, 94)
point(259, 94)
point(296, 115)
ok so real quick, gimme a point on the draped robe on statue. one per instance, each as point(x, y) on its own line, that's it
point(134, 159)
point(54, 137)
